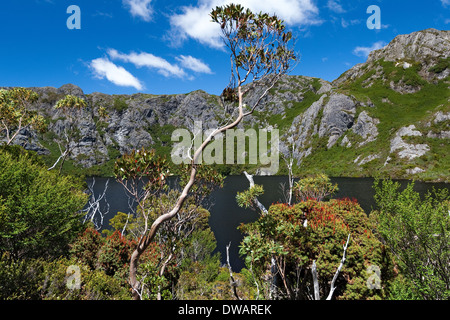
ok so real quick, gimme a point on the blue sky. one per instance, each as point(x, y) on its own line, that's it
point(167, 47)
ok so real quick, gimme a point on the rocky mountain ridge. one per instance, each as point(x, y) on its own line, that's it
point(388, 115)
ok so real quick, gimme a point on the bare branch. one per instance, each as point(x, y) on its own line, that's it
point(315, 281)
point(333, 287)
point(94, 207)
point(252, 184)
point(233, 282)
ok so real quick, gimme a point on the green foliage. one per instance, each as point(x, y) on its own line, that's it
point(284, 120)
point(441, 66)
point(142, 163)
point(71, 102)
point(246, 198)
point(316, 187)
point(402, 289)
point(115, 254)
point(162, 136)
point(20, 280)
point(42, 279)
point(409, 76)
point(418, 232)
point(95, 284)
point(15, 113)
point(120, 105)
point(119, 221)
point(87, 246)
point(39, 209)
point(156, 286)
point(281, 235)
point(248, 29)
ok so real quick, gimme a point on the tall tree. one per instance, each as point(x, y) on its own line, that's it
point(71, 107)
point(261, 52)
point(15, 112)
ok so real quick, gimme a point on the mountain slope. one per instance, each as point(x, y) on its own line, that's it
point(388, 116)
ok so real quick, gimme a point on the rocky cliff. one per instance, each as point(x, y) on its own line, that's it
point(389, 115)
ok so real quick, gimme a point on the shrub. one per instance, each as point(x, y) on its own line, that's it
point(417, 231)
point(120, 105)
point(316, 187)
point(20, 280)
point(87, 246)
point(38, 208)
point(114, 255)
point(94, 284)
point(441, 66)
point(281, 235)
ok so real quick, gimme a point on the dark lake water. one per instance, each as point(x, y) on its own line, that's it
point(226, 215)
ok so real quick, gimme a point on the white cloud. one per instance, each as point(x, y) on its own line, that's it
point(194, 21)
point(345, 23)
point(139, 8)
point(445, 2)
point(335, 6)
point(118, 75)
point(364, 51)
point(150, 61)
point(194, 64)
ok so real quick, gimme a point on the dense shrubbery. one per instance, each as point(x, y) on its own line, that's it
point(38, 209)
point(281, 235)
point(417, 230)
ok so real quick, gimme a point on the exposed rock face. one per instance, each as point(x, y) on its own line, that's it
point(314, 113)
point(338, 117)
point(125, 128)
point(425, 47)
point(366, 127)
point(408, 150)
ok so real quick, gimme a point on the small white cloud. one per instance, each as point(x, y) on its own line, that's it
point(150, 61)
point(345, 23)
point(335, 6)
point(445, 2)
point(194, 64)
point(103, 14)
point(118, 75)
point(139, 8)
point(364, 51)
point(447, 21)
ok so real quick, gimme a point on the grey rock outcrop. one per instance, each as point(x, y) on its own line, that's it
point(338, 117)
point(366, 127)
point(408, 150)
point(425, 48)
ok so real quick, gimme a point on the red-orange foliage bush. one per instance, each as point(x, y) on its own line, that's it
point(281, 235)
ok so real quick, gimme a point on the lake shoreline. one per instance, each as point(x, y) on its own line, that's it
point(226, 215)
point(296, 176)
